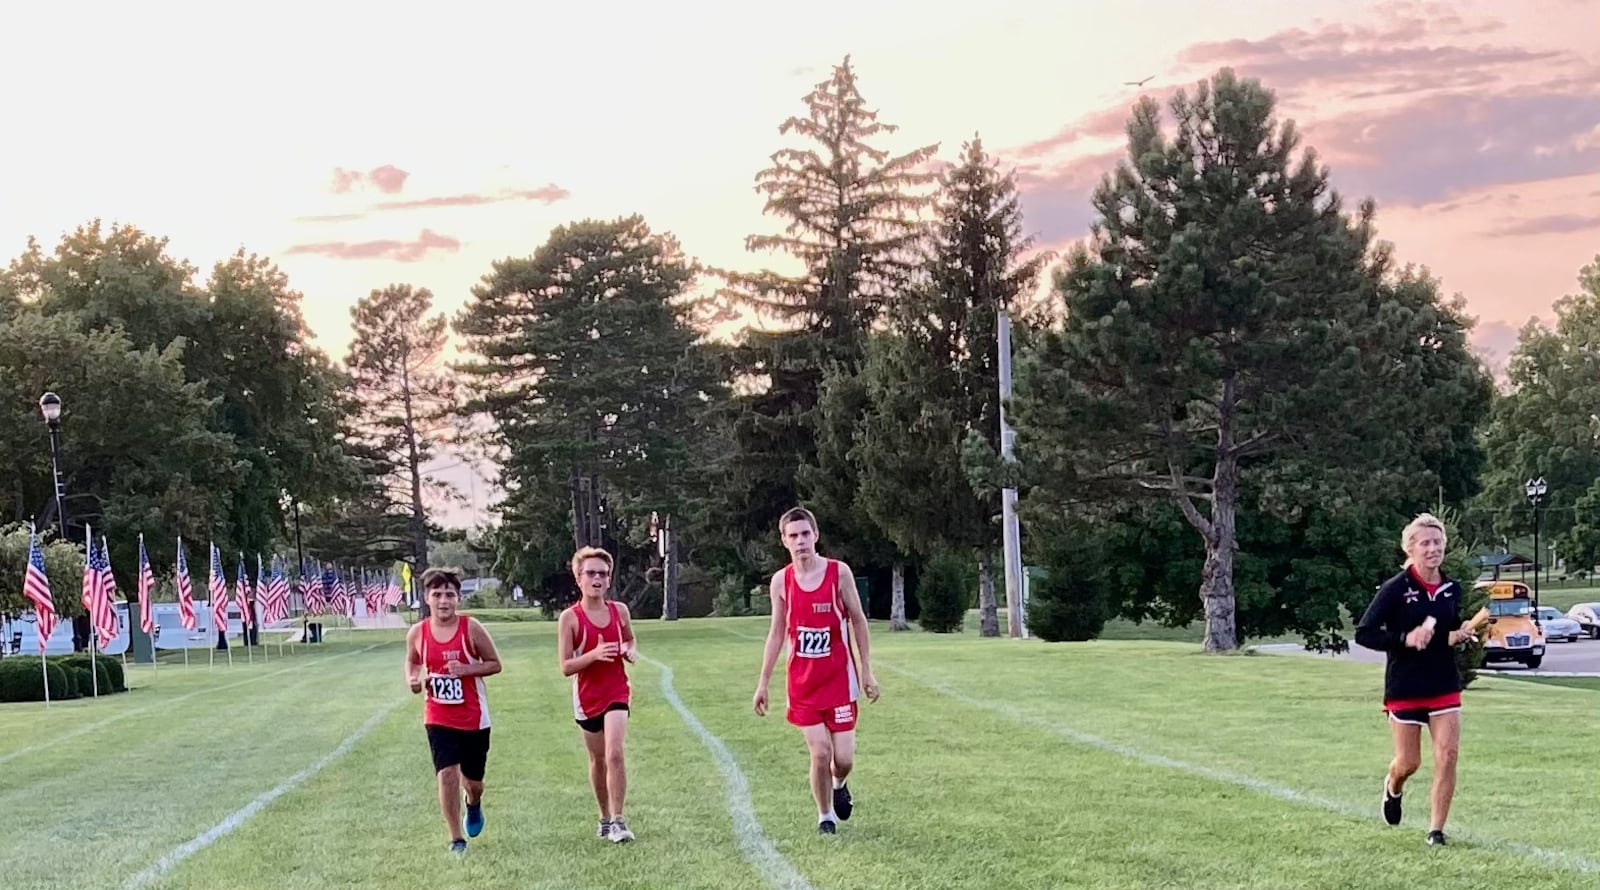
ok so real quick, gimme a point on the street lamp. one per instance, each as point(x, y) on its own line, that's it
point(50, 407)
point(1535, 489)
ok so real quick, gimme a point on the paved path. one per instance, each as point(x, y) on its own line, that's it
point(1580, 659)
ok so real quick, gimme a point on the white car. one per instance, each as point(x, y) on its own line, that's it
point(1588, 617)
point(1558, 626)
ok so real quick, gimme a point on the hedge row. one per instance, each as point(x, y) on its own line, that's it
point(70, 677)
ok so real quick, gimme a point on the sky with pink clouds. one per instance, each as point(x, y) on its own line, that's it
point(361, 143)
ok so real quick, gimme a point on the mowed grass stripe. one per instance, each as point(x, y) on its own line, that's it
point(161, 782)
point(148, 698)
point(372, 819)
point(1556, 858)
point(142, 730)
point(239, 817)
point(1079, 792)
point(1300, 723)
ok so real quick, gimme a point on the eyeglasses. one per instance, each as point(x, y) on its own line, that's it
point(596, 573)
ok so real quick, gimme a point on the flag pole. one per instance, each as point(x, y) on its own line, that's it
point(44, 673)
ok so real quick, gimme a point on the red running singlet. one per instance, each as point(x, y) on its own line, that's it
point(821, 672)
point(604, 682)
point(453, 702)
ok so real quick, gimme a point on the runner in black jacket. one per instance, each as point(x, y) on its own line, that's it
point(1416, 619)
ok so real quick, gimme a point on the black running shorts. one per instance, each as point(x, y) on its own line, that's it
point(598, 721)
point(1420, 716)
point(466, 748)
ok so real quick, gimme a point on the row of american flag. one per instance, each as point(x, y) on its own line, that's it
point(321, 593)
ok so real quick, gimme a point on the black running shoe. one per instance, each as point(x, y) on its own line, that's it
point(841, 802)
point(1391, 805)
point(1436, 839)
point(458, 847)
point(826, 826)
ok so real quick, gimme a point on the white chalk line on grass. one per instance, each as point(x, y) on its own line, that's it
point(101, 724)
point(1559, 858)
point(222, 829)
point(757, 848)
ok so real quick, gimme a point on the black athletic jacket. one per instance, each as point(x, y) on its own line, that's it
point(1400, 606)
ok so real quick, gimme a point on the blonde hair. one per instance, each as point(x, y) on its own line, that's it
point(1415, 527)
point(588, 553)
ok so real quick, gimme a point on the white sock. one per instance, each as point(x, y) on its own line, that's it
point(827, 817)
point(838, 783)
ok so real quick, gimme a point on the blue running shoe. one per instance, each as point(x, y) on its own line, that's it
point(474, 819)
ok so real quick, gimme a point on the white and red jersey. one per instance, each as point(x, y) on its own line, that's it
point(822, 668)
point(604, 682)
point(454, 702)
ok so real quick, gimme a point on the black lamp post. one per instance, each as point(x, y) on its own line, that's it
point(50, 407)
point(1535, 489)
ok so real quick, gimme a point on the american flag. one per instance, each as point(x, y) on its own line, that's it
point(185, 591)
point(311, 590)
point(241, 593)
point(97, 587)
point(373, 591)
point(333, 588)
point(394, 593)
point(147, 587)
point(108, 584)
point(217, 587)
point(36, 587)
point(277, 594)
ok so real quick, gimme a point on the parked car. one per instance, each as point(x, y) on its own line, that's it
point(1588, 617)
point(1558, 626)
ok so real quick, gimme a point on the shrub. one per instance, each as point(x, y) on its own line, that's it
point(20, 679)
point(941, 593)
point(1064, 606)
point(108, 672)
point(731, 595)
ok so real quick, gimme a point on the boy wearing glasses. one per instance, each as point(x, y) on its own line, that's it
point(595, 635)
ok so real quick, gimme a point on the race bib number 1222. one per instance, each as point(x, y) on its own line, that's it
point(813, 642)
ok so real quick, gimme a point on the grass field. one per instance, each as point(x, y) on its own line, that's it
point(987, 764)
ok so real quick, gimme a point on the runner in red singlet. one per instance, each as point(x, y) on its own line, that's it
point(817, 611)
point(447, 656)
point(595, 633)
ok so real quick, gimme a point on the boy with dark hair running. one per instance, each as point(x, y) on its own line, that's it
point(447, 656)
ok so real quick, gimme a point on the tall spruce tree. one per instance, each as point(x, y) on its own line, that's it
point(933, 381)
point(850, 211)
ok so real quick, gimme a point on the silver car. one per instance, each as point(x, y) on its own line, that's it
point(1588, 617)
point(1558, 626)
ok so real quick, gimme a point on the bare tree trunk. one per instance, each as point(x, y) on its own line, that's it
point(419, 519)
point(580, 520)
point(897, 597)
point(1216, 575)
point(669, 587)
point(988, 613)
point(1218, 531)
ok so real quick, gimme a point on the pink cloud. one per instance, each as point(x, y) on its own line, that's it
point(387, 179)
point(1560, 223)
point(402, 251)
point(548, 194)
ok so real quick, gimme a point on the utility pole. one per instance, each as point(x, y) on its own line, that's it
point(1011, 532)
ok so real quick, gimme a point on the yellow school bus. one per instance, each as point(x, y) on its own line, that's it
point(1513, 634)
